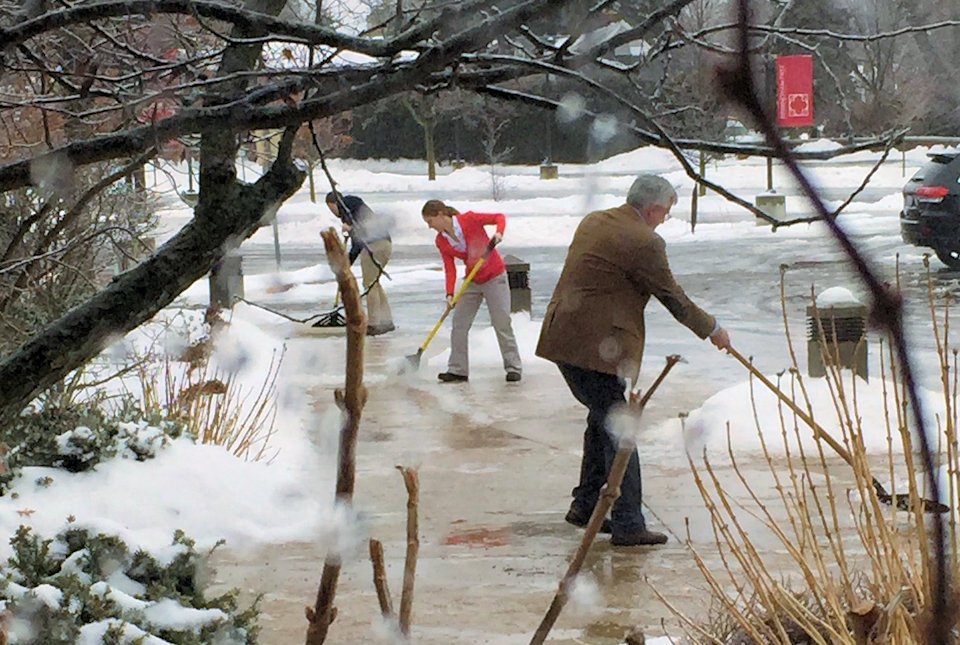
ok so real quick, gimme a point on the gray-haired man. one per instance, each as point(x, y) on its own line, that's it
point(593, 330)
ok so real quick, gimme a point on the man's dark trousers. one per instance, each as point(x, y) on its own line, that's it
point(601, 392)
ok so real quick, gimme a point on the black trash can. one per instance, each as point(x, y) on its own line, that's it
point(518, 275)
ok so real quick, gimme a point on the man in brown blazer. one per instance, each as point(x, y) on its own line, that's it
point(593, 330)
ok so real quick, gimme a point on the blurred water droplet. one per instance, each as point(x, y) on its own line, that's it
point(232, 354)
point(571, 108)
point(118, 349)
point(585, 598)
point(175, 343)
point(604, 128)
point(52, 173)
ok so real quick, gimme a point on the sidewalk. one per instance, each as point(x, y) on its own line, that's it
point(497, 462)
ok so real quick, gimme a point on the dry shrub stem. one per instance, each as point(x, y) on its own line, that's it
point(737, 82)
point(608, 495)
point(211, 406)
point(411, 480)
point(866, 582)
point(380, 579)
point(351, 400)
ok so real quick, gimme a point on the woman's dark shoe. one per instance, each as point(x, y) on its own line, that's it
point(513, 377)
point(639, 538)
point(572, 517)
point(449, 377)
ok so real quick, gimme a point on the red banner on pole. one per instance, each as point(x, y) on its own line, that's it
point(795, 91)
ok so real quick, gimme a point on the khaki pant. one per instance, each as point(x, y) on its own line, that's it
point(378, 309)
point(496, 292)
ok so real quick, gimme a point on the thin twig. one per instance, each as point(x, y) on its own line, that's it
point(412, 481)
point(738, 83)
point(380, 579)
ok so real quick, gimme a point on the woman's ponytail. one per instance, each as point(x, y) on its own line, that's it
point(437, 207)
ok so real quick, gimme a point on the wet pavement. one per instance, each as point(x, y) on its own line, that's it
point(497, 461)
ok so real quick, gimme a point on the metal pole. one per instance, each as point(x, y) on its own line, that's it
point(549, 133)
point(769, 173)
point(702, 188)
point(694, 199)
point(276, 241)
point(456, 140)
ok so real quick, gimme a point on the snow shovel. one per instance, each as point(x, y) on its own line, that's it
point(332, 318)
point(413, 360)
point(902, 501)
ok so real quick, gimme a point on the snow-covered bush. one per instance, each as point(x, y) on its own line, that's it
point(90, 589)
point(78, 436)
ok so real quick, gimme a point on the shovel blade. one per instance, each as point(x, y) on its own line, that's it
point(411, 363)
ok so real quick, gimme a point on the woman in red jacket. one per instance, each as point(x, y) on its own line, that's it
point(461, 235)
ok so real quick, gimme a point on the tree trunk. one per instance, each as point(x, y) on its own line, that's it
point(227, 212)
point(431, 148)
point(137, 295)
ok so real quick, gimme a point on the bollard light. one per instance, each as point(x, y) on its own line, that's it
point(837, 333)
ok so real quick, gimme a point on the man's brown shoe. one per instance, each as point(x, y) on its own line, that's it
point(450, 377)
point(639, 538)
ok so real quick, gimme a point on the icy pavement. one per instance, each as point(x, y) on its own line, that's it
point(497, 462)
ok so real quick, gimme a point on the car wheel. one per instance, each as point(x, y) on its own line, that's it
point(950, 256)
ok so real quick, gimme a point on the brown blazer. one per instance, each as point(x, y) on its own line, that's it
point(595, 319)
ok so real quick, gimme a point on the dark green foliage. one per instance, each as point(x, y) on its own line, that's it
point(37, 437)
point(95, 557)
point(177, 580)
point(104, 553)
point(31, 558)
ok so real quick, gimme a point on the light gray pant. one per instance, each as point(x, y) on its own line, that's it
point(378, 309)
point(497, 294)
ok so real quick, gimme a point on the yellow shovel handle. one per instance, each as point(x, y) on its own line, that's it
point(456, 297)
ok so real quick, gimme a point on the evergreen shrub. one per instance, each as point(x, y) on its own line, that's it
point(83, 586)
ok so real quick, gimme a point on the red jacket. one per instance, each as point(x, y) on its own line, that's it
point(477, 240)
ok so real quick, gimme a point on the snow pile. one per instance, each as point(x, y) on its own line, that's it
point(757, 419)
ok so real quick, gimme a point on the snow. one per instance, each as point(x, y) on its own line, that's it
point(125, 601)
point(170, 614)
point(212, 495)
point(253, 502)
point(144, 502)
point(93, 634)
point(71, 442)
point(836, 296)
point(752, 412)
point(48, 595)
point(819, 145)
